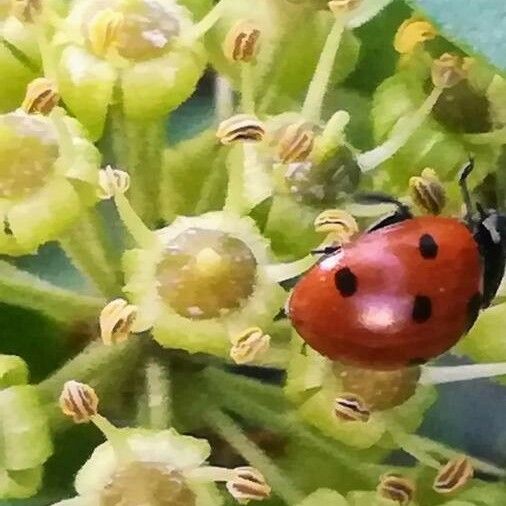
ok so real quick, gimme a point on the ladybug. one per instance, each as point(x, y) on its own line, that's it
point(403, 292)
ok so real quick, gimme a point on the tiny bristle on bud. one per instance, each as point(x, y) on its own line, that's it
point(241, 127)
point(41, 96)
point(396, 488)
point(454, 475)
point(296, 143)
point(248, 484)
point(116, 321)
point(249, 345)
point(112, 182)
point(411, 33)
point(338, 222)
point(351, 408)
point(343, 6)
point(447, 71)
point(427, 192)
point(242, 41)
point(79, 401)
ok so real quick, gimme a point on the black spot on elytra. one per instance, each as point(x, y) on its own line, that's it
point(473, 309)
point(428, 246)
point(346, 282)
point(422, 309)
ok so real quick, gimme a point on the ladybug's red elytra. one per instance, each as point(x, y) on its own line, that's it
point(405, 291)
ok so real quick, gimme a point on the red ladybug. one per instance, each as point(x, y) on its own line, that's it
point(405, 291)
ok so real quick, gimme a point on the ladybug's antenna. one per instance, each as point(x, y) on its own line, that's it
point(466, 196)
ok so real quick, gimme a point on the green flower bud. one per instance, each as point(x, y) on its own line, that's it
point(24, 431)
point(141, 47)
point(205, 285)
point(48, 174)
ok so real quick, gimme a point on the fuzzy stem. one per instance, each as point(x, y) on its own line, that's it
point(23, 289)
point(402, 131)
point(452, 374)
point(223, 98)
point(85, 245)
point(312, 107)
point(289, 270)
point(233, 434)
point(207, 22)
point(112, 433)
point(158, 396)
point(497, 136)
point(247, 88)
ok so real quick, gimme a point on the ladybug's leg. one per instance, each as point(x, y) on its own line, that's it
point(466, 196)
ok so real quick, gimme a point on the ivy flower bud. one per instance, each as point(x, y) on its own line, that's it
point(454, 475)
point(111, 182)
point(397, 488)
point(116, 321)
point(48, 177)
point(241, 43)
point(79, 401)
point(249, 345)
point(242, 127)
point(447, 71)
point(41, 97)
point(248, 484)
point(296, 143)
point(351, 408)
point(427, 192)
point(411, 33)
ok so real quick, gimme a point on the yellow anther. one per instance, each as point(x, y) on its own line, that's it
point(241, 127)
point(248, 484)
point(209, 261)
point(112, 182)
point(447, 71)
point(249, 345)
point(103, 30)
point(79, 401)
point(397, 488)
point(296, 143)
point(41, 97)
point(116, 321)
point(454, 475)
point(412, 32)
point(351, 408)
point(340, 224)
point(339, 7)
point(427, 192)
point(242, 42)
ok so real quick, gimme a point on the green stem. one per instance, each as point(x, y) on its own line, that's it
point(233, 434)
point(247, 88)
point(158, 395)
point(23, 289)
point(400, 134)
point(497, 136)
point(87, 247)
point(208, 21)
point(312, 107)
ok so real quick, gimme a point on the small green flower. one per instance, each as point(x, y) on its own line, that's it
point(26, 442)
point(48, 174)
point(121, 50)
point(204, 282)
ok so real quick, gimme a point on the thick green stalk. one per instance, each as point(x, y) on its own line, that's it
point(158, 395)
point(87, 247)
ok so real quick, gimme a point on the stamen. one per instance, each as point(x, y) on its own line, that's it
point(41, 97)
point(242, 42)
point(296, 143)
point(411, 33)
point(249, 345)
point(79, 401)
point(454, 475)
point(428, 192)
point(116, 321)
point(103, 30)
point(447, 71)
point(111, 182)
point(248, 484)
point(397, 488)
point(242, 127)
point(340, 225)
point(351, 408)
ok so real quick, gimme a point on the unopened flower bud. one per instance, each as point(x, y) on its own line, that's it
point(351, 408)
point(427, 192)
point(412, 32)
point(79, 401)
point(397, 488)
point(116, 321)
point(241, 42)
point(241, 127)
point(112, 182)
point(41, 97)
point(248, 484)
point(447, 71)
point(339, 7)
point(296, 143)
point(249, 345)
point(337, 222)
point(454, 475)
point(103, 30)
